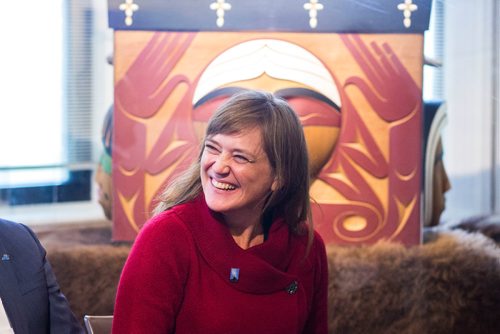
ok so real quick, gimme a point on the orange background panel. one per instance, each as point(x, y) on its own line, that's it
point(368, 182)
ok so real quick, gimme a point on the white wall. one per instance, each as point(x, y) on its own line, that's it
point(467, 65)
point(103, 72)
point(103, 76)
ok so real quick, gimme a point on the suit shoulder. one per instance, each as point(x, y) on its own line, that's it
point(10, 229)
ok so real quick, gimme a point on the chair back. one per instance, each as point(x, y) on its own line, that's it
point(98, 324)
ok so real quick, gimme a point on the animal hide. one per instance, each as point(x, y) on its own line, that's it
point(449, 285)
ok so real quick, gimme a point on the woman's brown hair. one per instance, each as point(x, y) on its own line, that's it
point(285, 146)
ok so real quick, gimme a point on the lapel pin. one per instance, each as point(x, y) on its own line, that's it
point(234, 275)
point(292, 288)
point(5, 257)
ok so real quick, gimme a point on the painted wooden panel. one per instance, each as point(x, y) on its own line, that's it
point(358, 96)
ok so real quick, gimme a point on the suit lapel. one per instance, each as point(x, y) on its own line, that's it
point(9, 291)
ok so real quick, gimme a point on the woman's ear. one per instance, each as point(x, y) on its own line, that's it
point(275, 185)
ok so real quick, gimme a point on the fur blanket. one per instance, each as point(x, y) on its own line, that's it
point(448, 285)
point(86, 264)
point(88, 276)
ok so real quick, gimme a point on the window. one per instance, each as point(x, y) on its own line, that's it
point(470, 56)
point(46, 129)
point(433, 51)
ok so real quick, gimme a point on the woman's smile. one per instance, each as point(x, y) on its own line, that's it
point(235, 173)
point(222, 185)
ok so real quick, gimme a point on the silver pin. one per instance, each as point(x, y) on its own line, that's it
point(5, 257)
point(234, 275)
point(292, 288)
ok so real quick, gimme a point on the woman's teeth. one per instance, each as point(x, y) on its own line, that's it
point(222, 186)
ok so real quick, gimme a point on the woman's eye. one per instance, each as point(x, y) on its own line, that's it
point(211, 149)
point(241, 159)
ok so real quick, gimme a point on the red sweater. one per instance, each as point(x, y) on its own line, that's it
point(177, 279)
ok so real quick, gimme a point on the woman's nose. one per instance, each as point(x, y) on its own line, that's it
point(221, 164)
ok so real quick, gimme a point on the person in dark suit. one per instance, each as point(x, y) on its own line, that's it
point(29, 292)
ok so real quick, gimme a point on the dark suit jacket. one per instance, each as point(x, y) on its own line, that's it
point(30, 293)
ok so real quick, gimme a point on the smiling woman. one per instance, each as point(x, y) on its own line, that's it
point(237, 178)
point(232, 236)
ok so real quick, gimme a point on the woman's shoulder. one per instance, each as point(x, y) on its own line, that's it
point(319, 245)
point(308, 241)
point(164, 237)
point(318, 239)
point(303, 233)
point(167, 225)
point(175, 215)
point(309, 246)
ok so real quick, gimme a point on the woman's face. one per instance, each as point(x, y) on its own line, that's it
point(236, 174)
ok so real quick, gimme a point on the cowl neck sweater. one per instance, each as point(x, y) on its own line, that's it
point(263, 268)
point(177, 279)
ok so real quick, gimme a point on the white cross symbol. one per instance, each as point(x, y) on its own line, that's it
point(129, 7)
point(407, 7)
point(313, 6)
point(220, 7)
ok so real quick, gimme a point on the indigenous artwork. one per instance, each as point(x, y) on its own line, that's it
point(358, 95)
